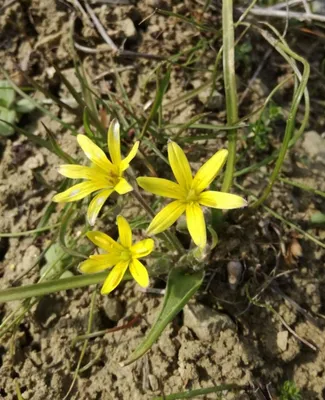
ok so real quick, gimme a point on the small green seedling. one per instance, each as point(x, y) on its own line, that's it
point(261, 129)
point(289, 391)
point(10, 109)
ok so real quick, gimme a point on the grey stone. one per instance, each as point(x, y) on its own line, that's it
point(205, 322)
point(113, 309)
point(215, 102)
point(234, 270)
point(282, 340)
point(153, 381)
point(314, 145)
point(128, 28)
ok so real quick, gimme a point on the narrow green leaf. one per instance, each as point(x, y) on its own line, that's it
point(181, 286)
point(161, 90)
point(87, 124)
point(318, 218)
point(7, 118)
point(55, 147)
point(214, 237)
point(200, 392)
point(24, 106)
point(7, 94)
point(40, 289)
point(37, 104)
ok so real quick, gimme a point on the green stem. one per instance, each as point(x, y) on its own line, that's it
point(302, 186)
point(199, 392)
point(230, 88)
point(288, 55)
point(26, 233)
point(40, 289)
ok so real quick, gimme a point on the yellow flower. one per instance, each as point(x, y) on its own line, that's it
point(189, 193)
point(121, 256)
point(103, 176)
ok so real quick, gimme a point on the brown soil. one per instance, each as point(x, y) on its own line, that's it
point(235, 342)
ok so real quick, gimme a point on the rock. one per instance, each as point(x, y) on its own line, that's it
point(282, 340)
point(113, 309)
point(128, 28)
point(153, 381)
point(314, 145)
point(234, 270)
point(205, 322)
point(215, 102)
point(34, 162)
point(162, 4)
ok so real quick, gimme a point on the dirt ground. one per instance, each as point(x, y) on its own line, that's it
point(220, 337)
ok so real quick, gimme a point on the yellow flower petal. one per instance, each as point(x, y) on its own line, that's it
point(124, 231)
point(96, 205)
point(126, 162)
point(161, 187)
point(104, 241)
point(180, 165)
point(196, 224)
point(113, 141)
point(96, 263)
point(76, 171)
point(142, 248)
point(114, 277)
point(94, 153)
point(78, 192)
point(207, 173)
point(139, 273)
point(123, 186)
point(166, 217)
point(224, 201)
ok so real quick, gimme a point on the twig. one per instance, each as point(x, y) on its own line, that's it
point(78, 6)
point(307, 7)
point(149, 290)
point(257, 72)
point(100, 28)
point(294, 333)
point(285, 4)
point(265, 12)
point(109, 41)
point(8, 4)
point(114, 2)
point(271, 309)
point(295, 305)
point(111, 71)
point(103, 332)
point(89, 50)
point(128, 53)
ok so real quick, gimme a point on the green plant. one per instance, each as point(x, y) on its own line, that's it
point(11, 108)
point(260, 131)
point(289, 391)
point(184, 268)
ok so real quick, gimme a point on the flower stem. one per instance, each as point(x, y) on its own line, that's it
point(230, 88)
point(169, 236)
point(40, 289)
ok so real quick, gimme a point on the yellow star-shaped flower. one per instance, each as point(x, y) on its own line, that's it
point(121, 256)
point(189, 193)
point(104, 176)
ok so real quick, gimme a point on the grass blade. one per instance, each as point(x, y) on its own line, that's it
point(230, 88)
point(161, 90)
point(43, 288)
